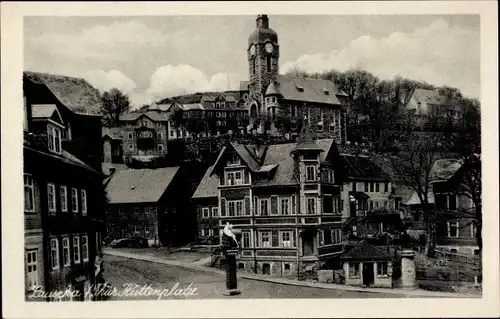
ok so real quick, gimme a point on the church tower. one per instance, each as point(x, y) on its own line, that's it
point(263, 56)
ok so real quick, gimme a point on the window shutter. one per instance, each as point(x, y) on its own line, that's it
point(223, 206)
point(274, 205)
point(275, 241)
point(247, 206)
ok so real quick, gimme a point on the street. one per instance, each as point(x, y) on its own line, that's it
point(121, 272)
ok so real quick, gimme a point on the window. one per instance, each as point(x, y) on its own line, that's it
point(382, 269)
point(452, 201)
point(286, 239)
point(286, 267)
point(233, 160)
point(376, 204)
point(159, 135)
point(453, 229)
point(385, 205)
point(310, 173)
point(253, 65)
point(74, 200)
point(353, 270)
point(76, 249)
point(328, 204)
point(29, 193)
point(354, 186)
point(366, 187)
point(66, 258)
point(239, 208)
point(160, 147)
point(202, 232)
point(241, 266)
point(311, 206)
point(284, 206)
point(130, 136)
point(265, 239)
point(327, 237)
point(377, 187)
point(234, 178)
point(330, 176)
point(206, 212)
point(473, 230)
point(210, 232)
point(54, 253)
point(32, 268)
point(336, 236)
point(264, 207)
point(85, 247)
point(245, 242)
point(63, 191)
point(54, 135)
point(84, 202)
point(386, 187)
point(372, 187)
point(371, 205)
point(215, 211)
point(51, 197)
point(268, 63)
point(131, 146)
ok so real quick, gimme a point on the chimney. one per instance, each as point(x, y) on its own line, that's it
point(262, 21)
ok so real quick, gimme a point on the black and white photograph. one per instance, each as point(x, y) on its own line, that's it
point(252, 155)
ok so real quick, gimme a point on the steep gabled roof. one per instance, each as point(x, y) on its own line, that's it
point(208, 185)
point(75, 93)
point(277, 160)
point(309, 90)
point(363, 167)
point(139, 185)
point(46, 111)
point(432, 97)
point(444, 169)
point(115, 133)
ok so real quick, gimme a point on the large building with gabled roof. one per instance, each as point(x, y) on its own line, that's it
point(285, 199)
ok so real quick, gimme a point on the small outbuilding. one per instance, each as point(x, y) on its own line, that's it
point(368, 265)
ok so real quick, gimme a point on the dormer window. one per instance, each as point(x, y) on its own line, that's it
point(326, 92)
point(54, 135)
point(299, 88)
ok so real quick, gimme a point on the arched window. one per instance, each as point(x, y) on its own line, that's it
point(268, 64)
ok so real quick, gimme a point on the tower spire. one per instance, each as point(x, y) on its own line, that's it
point(305, 141)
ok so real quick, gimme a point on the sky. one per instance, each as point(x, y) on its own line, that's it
point(154, 57)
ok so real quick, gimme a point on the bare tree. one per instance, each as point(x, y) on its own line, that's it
point(412, 165)
point(114, 104)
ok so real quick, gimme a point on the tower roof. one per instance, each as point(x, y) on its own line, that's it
point(262, 33)
point(272, 89)
point(305, 141)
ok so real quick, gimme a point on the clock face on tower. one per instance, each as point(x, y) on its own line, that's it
point(252, 50)
point(269, 47)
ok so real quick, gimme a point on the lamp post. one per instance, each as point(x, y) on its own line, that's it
point(230, 248)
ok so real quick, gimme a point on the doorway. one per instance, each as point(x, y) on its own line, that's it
point(266, 269)
point(368, 276)
point(307, 244)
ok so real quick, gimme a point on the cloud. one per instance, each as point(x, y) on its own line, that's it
point(111, 41)
point(104, 81)
point(170, 80)
point(438, 53)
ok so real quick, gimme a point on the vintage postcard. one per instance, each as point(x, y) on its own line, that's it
point(285, 159)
